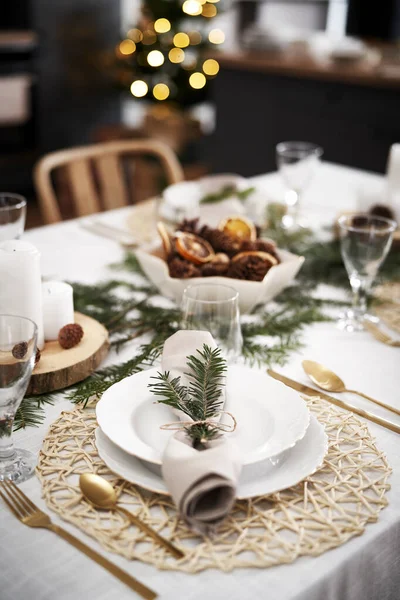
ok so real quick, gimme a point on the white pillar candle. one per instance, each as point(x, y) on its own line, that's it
point(20, 283)
point(58, 307)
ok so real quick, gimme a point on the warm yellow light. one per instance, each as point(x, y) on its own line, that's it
point(194, 37)
point(135, 34)
point(191, 7)
point(176, 55)
point(181, 40)
point(161, 91)
point(213, 1)
point(162, 25)
point(216, 36)
point(197, 80)
point(209, 10)
point(139, 88)
point(155, 58)
point(210, 66)
point(127, 47)
point(149, 37)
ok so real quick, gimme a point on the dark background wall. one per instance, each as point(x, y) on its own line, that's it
point(73, 94)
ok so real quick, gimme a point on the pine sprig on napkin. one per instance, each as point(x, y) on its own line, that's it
point(201, 399)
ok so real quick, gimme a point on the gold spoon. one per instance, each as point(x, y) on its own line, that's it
point(99, 492)
point(329, 381)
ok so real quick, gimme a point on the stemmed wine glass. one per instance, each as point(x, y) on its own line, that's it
point(365, 242)
point(18, 338)
point(297, 163)
point(214, 307)
point(12, 216)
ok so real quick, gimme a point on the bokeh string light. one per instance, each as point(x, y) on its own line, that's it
point(163, 56)
point(155, 58)
point(161, 91)
point(162, 26)
point(127, 47)
point(139, 88)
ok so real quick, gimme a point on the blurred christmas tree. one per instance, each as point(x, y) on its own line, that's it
point(163, 56)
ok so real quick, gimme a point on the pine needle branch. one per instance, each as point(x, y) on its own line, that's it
point(201, 400)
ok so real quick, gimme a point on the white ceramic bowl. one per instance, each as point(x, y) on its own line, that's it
point(251, 293)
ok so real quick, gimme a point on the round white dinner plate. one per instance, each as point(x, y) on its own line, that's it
point(270, 416)
point(266, 477)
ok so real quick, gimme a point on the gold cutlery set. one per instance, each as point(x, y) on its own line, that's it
point(329, 381)
point(100, 493)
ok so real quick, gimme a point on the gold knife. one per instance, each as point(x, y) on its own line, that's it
point(309, 391)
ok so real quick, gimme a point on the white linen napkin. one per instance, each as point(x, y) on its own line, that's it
point(202, 482)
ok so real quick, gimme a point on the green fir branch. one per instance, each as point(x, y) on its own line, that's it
point(227, 192)
point(201, 399)
point(129, 311)
point(30, 412)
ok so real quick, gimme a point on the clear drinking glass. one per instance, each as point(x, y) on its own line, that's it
point(297, 163)
point(365, 242)
point(214, 308)
point(18, 337)
point(12, 216)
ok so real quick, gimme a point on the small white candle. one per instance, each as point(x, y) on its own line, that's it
point(58, 307)
point(20, 283)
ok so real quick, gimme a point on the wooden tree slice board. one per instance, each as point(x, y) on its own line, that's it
point(59, 368)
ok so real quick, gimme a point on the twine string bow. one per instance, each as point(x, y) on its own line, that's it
point(223, 427)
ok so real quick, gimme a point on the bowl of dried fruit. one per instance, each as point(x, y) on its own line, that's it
point(231, 253)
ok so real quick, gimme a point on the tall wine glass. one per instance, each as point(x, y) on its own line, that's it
point(297, 163)
point(18, 337)
point(214, 307)
point(365, 242)
point(12, 216)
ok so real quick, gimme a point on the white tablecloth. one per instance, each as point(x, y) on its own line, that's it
point(36, 564)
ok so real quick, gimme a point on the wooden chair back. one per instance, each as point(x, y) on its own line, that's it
point(96, 176)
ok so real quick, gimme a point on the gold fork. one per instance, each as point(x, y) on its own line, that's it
point(29, 514)
point(380, 335)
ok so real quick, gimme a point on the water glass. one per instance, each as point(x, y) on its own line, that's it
point(214, 308)
point(365, 242)
point(18, 338)
point(297, 163)
point(12, 216)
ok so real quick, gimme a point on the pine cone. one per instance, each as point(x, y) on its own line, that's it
point(220, 241)
point(261, 246)
point(188, 225)
point(381, 210)
point(38, 356)
point(214, 268)
point(20, 350)
point(70, 335)
point(182, 269)
point(251, 268)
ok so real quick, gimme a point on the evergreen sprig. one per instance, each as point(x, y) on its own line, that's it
point(130, 311)
point(227, 192)
point(201, 399)
point(30, 412)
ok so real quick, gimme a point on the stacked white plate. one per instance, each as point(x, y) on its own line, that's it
point(280, 442)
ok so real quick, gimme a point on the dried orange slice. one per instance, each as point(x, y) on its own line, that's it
point(263, 255)
point(239, 227)
point(165, 237)
point(193, 248)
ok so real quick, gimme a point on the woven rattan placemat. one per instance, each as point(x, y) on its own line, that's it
point(322, 512)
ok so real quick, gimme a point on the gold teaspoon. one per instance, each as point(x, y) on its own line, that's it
point(329, 381)
point(101, 494)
